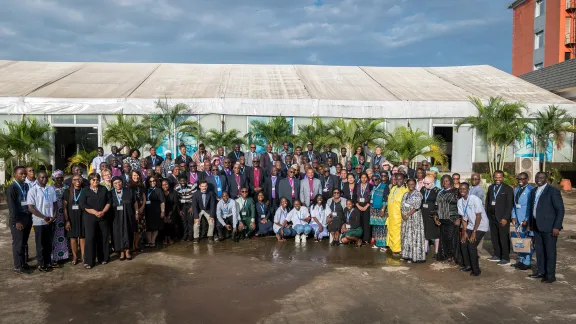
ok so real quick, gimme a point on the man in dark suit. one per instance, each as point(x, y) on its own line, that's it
point(499, 204)
point(235, 155)
point(311, 154)
point(546, 216)
point(204, 205)
point(267, 159)
point(271, 189)
point(217, 183)
point(153, 159)
point(244, 169)
point(327, 154)
point(289, 187)
point(236, 181)
point(411, 173)
point(329, 182)
point(183, 158)
point(255, 178)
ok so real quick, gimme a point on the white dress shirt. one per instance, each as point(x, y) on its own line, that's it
point(537, 196)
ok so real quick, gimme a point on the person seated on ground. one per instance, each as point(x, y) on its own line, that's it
point(264, 213)
point(247, 220)
point(318, 214)
point(281, 227)
point(299, 217)
point(227, 216)
point(352, 228)
point(335, 215)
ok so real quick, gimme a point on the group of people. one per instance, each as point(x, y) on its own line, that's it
point(128, 203)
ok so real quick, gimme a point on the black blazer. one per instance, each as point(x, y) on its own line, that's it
point(504, 203)
point(233, 185)
point(334, 182)
point(285, 190)
point(246, 170)
point(265, 161)
point(233, 158)
point(549, 211)
point(268, 188)
point(250, 177)
point(158, 161)
point(325, 156)
point(213, 188)
point(198, 206)
point(346, 192)
point(186, 159)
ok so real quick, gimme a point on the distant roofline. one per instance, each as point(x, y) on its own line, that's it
point(516, 4)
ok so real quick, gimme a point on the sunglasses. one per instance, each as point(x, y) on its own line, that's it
point(95, 180)
point(253, 147)
point(244, 191)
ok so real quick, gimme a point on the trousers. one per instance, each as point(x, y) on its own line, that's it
point(97, 236)
point(470, 251)
point(303, 229)
point(500, 237)
point(187, 221)
point(222, 229)
point(545, 246)
point(19, 243)
point(43, 236)
point(209, 219)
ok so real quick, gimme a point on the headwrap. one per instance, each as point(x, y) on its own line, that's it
point(116, 178)
point(167, 152)
point(435, 169)
point(57, 173)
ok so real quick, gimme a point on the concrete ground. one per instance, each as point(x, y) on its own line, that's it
point(262, 281)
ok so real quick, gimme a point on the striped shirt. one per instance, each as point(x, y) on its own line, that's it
point(185, 193)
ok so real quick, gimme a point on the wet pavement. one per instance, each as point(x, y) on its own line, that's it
point(263, 281)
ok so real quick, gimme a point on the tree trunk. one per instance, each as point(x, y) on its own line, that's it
point(503, 157)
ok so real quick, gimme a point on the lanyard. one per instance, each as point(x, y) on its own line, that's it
point(262, 208)
point(363, 190)
point(466, 208)
point(299, 215)
point(24, 192)
point(410, 194)
point(119, 198)
point(394, 192)
point(217, 179)
point(193, 176)
point(327, 183)
point(77, 197)
point(225, 208)
point(348, 213)
point(46, 193)
point(244, 204)
point(519, 193)
point(377, 160)
point(149, 192)
point(497, 192)
point(538, 195)
point(310, 155)
point(201, 156)
point(426, 195)
point(237, 154)
point(153, 161)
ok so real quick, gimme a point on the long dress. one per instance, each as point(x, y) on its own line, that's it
point(171, 211)
point(154, 197)
point(413, 247)
point(379, 200)
point(74, 213)
point(429, 210)
point(447, 214)
point(363, 199)
point(336, 220)
point(141, 222)
point(124, 221)
point(394, 221)
point(59, 241)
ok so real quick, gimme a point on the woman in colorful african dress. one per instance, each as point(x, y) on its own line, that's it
point(379, 200)
point(59, 241)
point(413, 249)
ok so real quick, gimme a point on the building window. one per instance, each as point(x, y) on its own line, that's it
point(567, 56)
point(538, 66)
point(539, 40)
point(539, 8)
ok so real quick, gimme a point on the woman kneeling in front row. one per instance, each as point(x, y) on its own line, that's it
point(352, 228)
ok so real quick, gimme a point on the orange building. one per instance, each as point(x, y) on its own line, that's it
point(544, 33)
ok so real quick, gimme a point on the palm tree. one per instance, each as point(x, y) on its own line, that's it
point(550, 125)
point(81, 158)
point(406, 143)
point(127, 132)
point(215, 139)
point(171, 122)
point(275, 132)
point(22, 141)
point(356, 132)
point(318, 131)
point(499, 124)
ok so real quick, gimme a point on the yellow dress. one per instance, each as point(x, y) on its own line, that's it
point(394, 221)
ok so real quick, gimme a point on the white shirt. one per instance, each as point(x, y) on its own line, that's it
point(225, 210)
point(319, 212)
point(537, 196)
point(279, 218)
point(97, 161)
point(31, 183)
point(43, 199)
point(298, 217)
point(469, 214)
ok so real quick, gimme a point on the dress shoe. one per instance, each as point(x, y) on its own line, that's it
point(536, 276)
point(549, 280)
point(475, 273)
point(523, 267)
point(21, 271)
point(466, 269)
point(43, 269)
point(515, 265)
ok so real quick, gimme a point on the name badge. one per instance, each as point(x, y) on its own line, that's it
point(262, 216)
point(361, 200)
point(75, 207)
point(493, 203)
point(219, 189)
point(243, 213)
point(424, 205)
point(169, 172)
point(120, 208)
point(406, 205)
point(183, 201)
point(334, 214)
point(148, 202)
point(347, 226)
point(371, 201)
point(325, 190)
point(47, 205)
point(518, 206)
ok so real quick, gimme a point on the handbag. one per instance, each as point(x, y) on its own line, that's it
point(519, 244)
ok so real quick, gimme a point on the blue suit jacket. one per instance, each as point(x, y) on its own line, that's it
point(549, 211)
point(523, 213)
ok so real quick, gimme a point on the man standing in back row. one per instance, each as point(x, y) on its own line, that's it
point(499, 203)
point(546, 216)
point(20, 218)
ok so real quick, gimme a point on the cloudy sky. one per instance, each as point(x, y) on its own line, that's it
point(334, 32)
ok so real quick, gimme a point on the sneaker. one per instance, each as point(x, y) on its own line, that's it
point(297, 238)
point(331, 239)
point(43, 269)
point(21, 271)
point(196, 240)
point(494, 259)
point(503, 262)
point(303, 238)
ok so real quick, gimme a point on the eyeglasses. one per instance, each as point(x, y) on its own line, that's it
point(253, 147)
point(95, 179)
point(244, 191)
point(76, 179)
point(152, 181)
point(336, 193)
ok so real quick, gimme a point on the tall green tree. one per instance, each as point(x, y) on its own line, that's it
point(550, 125)
point(171, 121)
point(499, 124)
point(407, 143)
point(318, 131)
point(356, 132)
point(128, 132)
point(275, 132)
point(214, 138)
point(22, 142)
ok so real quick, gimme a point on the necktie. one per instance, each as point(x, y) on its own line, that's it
point(292, 185)
point(256, 177)
point(238, 181)
point(204, 200)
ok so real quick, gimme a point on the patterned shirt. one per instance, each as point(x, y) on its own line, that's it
point(185, 193)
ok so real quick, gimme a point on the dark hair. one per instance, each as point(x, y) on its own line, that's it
point(201, 182)
point(148, 181)
point(499, 172)
point(18, 167)
point(131, 183)
point(402, 174)
point(447, 176)
point(411, 180)
point(456, 174)
point(465, 184)
point(323, 200)
point(523, 174)
point(93, 175)
point(165, 180)
point(100, 148)
point(134, 150)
